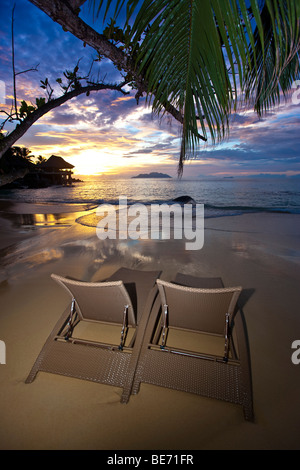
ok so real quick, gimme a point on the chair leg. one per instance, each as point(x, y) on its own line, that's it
point(32, 374)
point(245, 362)
point(36, 366)
point(248, 412)
point(153, 302)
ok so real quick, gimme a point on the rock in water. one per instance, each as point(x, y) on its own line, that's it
point(185, 200)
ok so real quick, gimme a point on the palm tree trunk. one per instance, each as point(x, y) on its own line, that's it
point(64, 14)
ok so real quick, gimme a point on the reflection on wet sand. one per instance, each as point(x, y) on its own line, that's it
point(39, 220)
point(80, 245)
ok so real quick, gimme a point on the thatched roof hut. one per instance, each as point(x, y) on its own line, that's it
point(55, 163)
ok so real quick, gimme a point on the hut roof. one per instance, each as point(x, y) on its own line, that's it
point(57, 163)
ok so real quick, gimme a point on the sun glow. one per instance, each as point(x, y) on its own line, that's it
point(91, 162)
point(111, 161)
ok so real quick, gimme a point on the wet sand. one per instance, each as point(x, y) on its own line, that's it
point(261, 252)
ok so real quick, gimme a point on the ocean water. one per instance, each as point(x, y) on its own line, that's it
point(220, 196)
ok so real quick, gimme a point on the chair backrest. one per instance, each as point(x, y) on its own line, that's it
point(198, 309)
point(99, 301)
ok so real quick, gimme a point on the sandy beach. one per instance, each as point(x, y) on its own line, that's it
point(260, 251)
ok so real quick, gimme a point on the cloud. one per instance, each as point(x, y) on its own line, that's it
point(271, 142)
point(110, 124)
point(138, 152)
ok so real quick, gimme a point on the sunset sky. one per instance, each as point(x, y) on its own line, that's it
point(108, 133)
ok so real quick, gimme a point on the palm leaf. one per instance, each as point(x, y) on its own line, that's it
point(201, 55)
point(277, 60)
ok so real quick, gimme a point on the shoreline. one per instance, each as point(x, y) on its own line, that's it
point(17, 207)
point(258, 251)
point(20, 220)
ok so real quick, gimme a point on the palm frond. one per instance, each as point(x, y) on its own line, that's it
point(275, 63)
point(201, 55)
point(182, 58)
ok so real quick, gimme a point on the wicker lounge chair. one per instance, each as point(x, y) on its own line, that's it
point(110, 305)
point(187, 313)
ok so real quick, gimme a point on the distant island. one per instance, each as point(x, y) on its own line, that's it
point(154, 174)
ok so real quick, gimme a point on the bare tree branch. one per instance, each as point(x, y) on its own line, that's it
point(62, 13)
point(32, 69)
point(22, 128)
